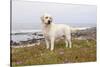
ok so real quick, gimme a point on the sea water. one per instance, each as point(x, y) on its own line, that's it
point(23, 35)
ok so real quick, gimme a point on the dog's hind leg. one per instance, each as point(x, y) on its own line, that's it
point(68, 41)
point(70, 44)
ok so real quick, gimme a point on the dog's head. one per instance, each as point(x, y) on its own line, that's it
point(46, 19)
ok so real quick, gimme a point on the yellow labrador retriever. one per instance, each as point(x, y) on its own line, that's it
point(52, 31)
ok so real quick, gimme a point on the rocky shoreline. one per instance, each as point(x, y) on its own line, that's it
point(27, 43)
point(88, 34)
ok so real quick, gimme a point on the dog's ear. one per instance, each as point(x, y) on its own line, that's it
point(41, 18)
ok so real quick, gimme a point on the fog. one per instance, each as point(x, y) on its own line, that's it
point(26, 14)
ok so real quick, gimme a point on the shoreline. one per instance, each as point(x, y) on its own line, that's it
point(27, 45)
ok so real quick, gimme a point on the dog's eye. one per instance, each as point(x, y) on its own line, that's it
point(46, 17)
point(50, 18)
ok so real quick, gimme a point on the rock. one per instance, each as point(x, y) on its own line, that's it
point(66, 61)
point(61, 53)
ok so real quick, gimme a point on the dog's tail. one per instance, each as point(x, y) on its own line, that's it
point(75, 29)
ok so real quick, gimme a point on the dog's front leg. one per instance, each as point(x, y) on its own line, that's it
point(52, 43)
point(47, 43)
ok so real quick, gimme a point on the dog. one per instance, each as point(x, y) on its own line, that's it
point(52, 32)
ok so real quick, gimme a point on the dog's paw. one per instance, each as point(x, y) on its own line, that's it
point(51, 49)
point(47, 47)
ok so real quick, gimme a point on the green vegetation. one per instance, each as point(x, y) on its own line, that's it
point(82, 51)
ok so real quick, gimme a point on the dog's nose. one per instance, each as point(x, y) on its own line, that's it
point(49, 21)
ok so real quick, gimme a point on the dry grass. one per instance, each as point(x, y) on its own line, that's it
point(82, 51)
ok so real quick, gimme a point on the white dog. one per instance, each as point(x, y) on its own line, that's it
point(52, 31)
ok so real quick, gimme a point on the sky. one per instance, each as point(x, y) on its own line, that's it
point(26, 14)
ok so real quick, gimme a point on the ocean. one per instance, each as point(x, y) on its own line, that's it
point(23, 35)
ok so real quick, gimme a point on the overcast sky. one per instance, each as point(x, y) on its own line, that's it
point(27, 14)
